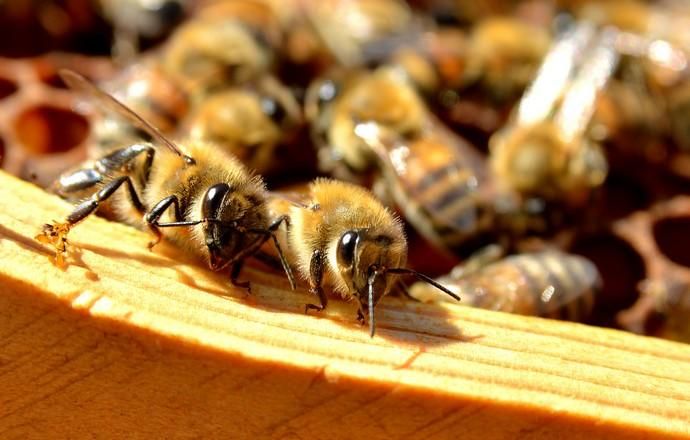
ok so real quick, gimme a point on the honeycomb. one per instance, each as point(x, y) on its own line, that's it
point(41, 131)
point(635, 230)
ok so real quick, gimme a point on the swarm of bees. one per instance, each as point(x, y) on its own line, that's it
point(484, 138)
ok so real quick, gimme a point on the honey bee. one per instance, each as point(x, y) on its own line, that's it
point(655, 44)
point(376, 123)
point(226, 44)
point(662, 309)
point(335, 105)
point(503, 55)
point(202, 199)
point(341, 236)
point(249, 122)
point(549, 283)
point(438, 181)
point(546, 151)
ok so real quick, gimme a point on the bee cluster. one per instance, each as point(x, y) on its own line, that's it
point(534, 156)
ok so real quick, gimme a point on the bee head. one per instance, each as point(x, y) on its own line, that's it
point(226, 230)
point(368, 264)
point(363, 259)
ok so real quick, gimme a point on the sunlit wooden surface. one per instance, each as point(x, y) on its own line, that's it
point(127, 343)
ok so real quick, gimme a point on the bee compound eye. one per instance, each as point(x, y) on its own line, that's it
point(213, 200)
point(346, 248)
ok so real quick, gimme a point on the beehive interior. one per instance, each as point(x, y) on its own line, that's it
point(638, 228)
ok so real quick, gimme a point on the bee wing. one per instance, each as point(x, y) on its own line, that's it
point(579, 102)
point(289, 198)
point(556, 70)
point(80, 84)
point(438, 175)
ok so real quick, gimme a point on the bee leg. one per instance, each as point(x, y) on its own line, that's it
point(315, 280)
point(118, 159)
point(269, 233)
point(153, 216)
point(283, 261)
point(77, 181)
point(56, 234)
point(87, 208)
point(235, 273)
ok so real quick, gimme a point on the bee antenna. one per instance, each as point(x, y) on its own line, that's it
point(421, 276)
point(372, 320)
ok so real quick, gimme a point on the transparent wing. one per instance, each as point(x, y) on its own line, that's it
point(82, 85)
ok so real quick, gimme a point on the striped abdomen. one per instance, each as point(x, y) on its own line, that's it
point(550, 284)
point(437, 181)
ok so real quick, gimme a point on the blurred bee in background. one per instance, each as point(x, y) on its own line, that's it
point(134, 19)
point(372, 127)
point(662, 310)
point(362, 32)
point(496, 58)
point(202, 199)
point(655, 43)
point(439, 183)
point(248, 122)
point(247, 114)
point(547, 150)
point(504, 54)
point(549, 283)
point(341, 236)
point(335, 105)
point(472, 76)
point(225, 44)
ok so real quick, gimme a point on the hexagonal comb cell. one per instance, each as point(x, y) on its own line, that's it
point(43, 134)
point(660, 236)
point(672, 236)
point(621, 268)
point(46, 129)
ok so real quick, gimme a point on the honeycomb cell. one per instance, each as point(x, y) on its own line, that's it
point(7, 88)
point(673, 238)
point(621, 268)
point(46, 129)
point(622, 195)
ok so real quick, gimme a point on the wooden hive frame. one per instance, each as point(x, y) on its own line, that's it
point(127, 343)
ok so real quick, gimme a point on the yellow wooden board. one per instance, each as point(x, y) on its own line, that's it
point(128, 343)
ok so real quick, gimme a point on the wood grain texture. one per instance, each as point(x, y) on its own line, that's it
point(127, 343)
